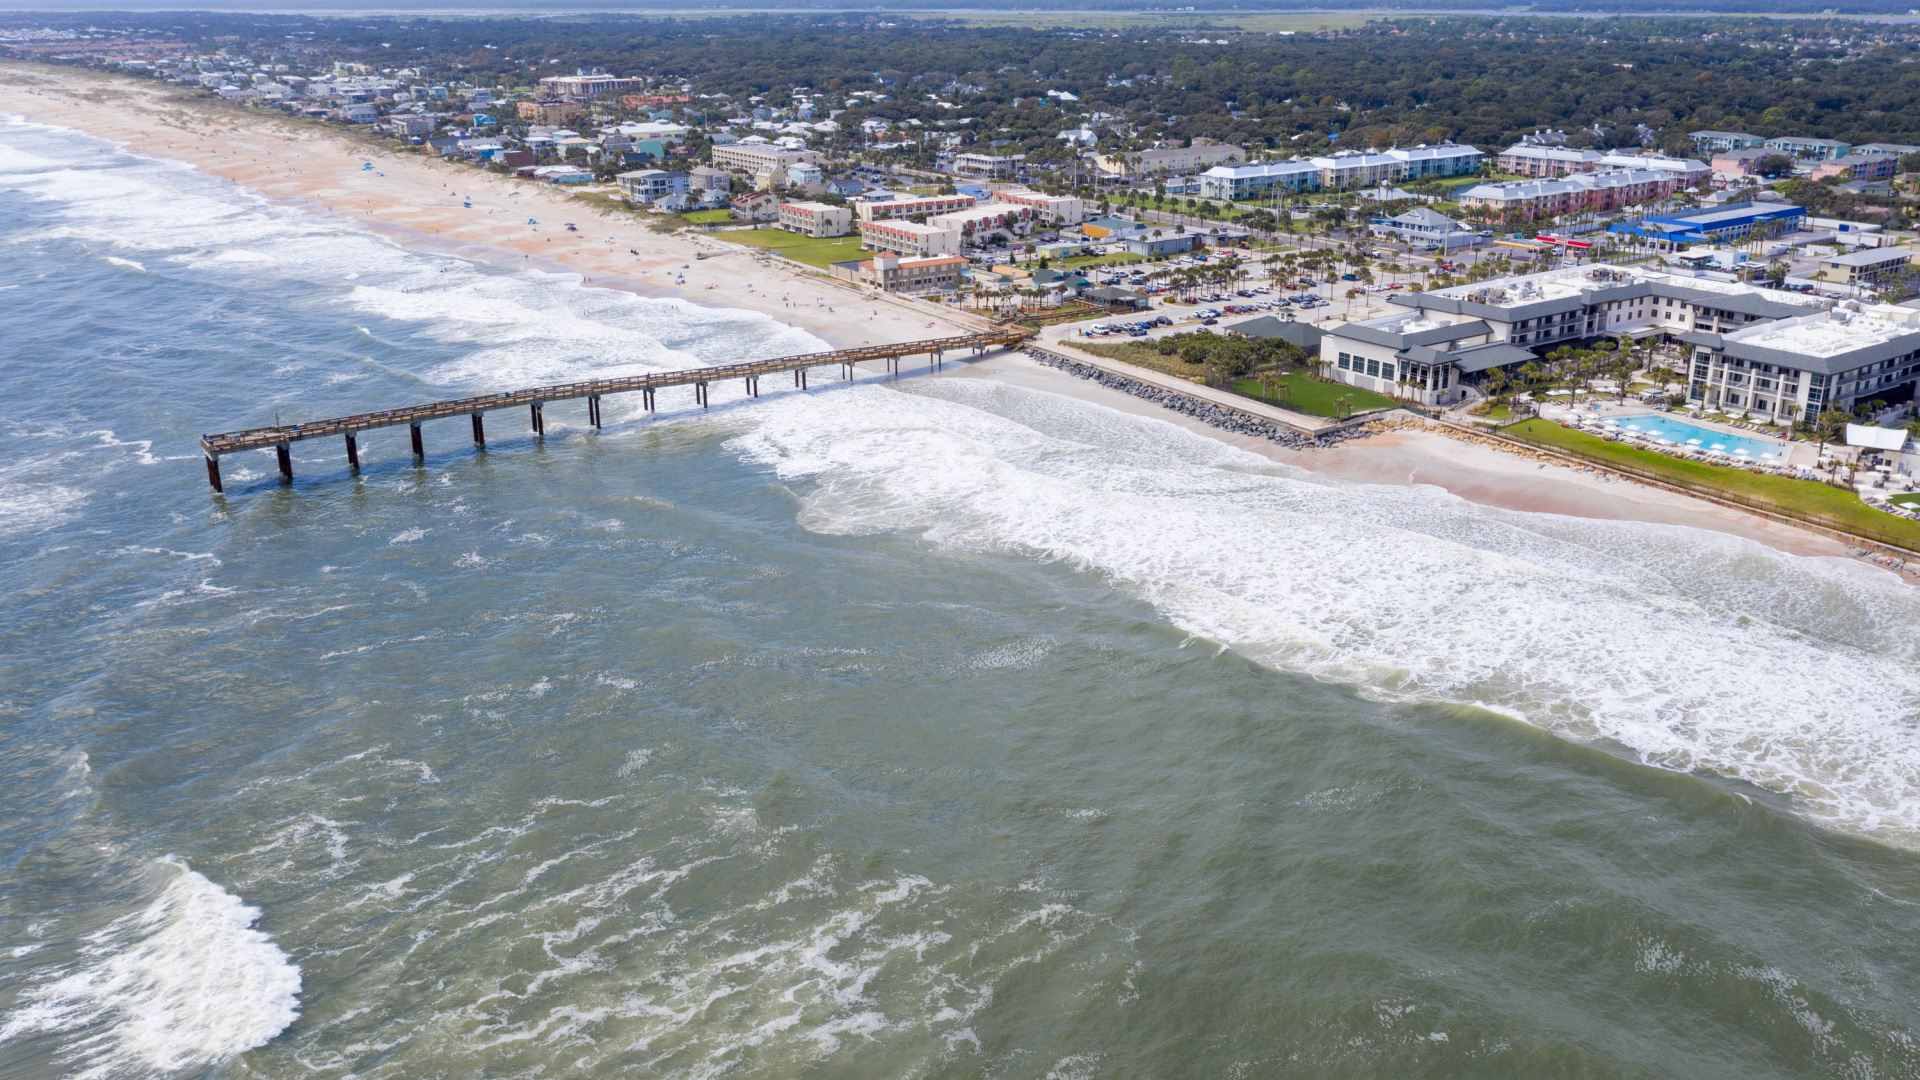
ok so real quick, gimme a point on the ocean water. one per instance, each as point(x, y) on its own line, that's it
point(929, 727)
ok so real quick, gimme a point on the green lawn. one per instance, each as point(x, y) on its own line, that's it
point(1911, 500)
point(1796, 498)
point(708, 217)
point(803, 249)
point(1081, 261)
point(1310, 395)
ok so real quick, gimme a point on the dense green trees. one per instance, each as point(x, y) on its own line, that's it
point(1486, 81)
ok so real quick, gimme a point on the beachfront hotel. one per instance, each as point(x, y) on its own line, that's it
point(1794, 368)
point(1772, 354)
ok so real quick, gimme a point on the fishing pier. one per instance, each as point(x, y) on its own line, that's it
point(280, 438)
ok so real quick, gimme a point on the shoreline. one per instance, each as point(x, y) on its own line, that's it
point(421, 202)
point(411, 200)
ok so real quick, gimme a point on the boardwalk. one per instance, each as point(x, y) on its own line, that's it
point(282, 437)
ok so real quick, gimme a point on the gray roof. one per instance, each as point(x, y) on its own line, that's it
point(1478, 358)
point(1741, 303)
point(1421, 215)
point(1819, 365)
point(1867, 257)
point(1304, 335)
point(1374, 335)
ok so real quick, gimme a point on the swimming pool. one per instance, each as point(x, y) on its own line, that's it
point(1685, 434)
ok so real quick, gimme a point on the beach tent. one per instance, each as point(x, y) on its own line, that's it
point(1876, 438)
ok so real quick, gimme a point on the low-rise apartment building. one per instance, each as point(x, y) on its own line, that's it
point(988, 166)
point(1867, 265)
point(895, 274)
point(985, 219)
point(1579, 193)
point(901, 208)
point(1805, 148)
point(1744, 162)
point(550, 113)
point(587, 86)
point(1052, 211)
point(1527, 159)
point(1162, 161)
point(909, 238)
point(1256, 179)
point(647, 185)
point(754, 158)
point(1858, 166)
point(1715, 142)
point(1688, 172)
point(816, 219)
point(1349, 168)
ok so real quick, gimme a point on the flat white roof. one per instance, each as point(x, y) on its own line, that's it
point(1830, 333)
point(1571, 281)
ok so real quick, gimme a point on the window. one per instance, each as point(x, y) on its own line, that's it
point(1373, 367)
point(1346, 361)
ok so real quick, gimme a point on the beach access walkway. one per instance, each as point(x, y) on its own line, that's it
point(281, 437)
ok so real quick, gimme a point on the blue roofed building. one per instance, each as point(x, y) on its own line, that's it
point(1714, 225)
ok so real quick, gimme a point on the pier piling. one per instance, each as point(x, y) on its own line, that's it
point(280, 438)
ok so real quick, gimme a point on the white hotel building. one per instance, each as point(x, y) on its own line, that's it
point(1775, 354)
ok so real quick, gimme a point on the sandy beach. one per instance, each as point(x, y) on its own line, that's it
point(423, 202)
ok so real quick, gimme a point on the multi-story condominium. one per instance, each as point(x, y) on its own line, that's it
point(550, 112)
point(1741, 162)
point(897, 209)
point(1256, 179)
point(988, 166)
point(1687, 171)
point(646, 185)
point(1579, 193)
point(1348, 168)
point(1868, 265)
point(816, 219)
point(587, 86)
point(1808, 149)
point(1858, 166)
point(909, 238)
point(986, 219)
point(895, 274)
point(1443, 159)
point(1715, 142)
point(1460, 333)
point(1134, 164)
point(1529, 160)
point(1053, 211)
point(754, 158)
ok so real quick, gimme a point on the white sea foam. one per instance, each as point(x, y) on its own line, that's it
point(185, 983)
point(1694, 650)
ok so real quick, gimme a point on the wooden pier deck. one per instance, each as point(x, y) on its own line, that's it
point(281, 438)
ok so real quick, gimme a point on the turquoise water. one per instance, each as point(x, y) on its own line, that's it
point(929, 728)
point(1679, 431)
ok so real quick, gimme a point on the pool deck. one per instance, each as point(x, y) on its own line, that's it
point(1798, 453)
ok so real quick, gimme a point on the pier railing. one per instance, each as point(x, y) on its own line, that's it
point(281, 437)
